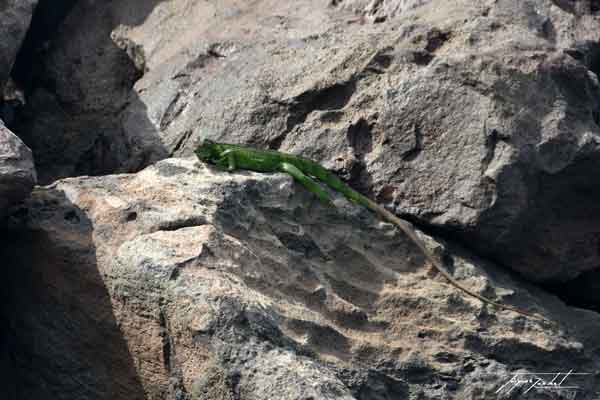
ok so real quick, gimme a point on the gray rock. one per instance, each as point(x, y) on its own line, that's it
point(478, 119)
point(379, 10)
point(183, 282)
point(80, 84)
point(481, 120)
point(15, 16)
point(12, 100)
point(17, 172)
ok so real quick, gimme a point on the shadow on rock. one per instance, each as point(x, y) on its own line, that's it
point(58, 335)
point(78, 79)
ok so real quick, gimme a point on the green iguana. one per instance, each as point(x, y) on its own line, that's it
point(230, 157)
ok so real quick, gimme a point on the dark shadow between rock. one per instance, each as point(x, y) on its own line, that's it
point(78, 82)
point(58, 334)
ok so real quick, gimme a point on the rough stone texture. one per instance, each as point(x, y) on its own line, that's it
point(17, 172)
point(78, 82)
point(379, 10)
point(478, 118)
point(182, 282)
point(11, 100)
point(15, 16)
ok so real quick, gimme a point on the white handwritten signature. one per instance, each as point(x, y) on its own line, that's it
point(540, 380)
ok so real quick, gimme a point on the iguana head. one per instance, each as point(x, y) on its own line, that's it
point(208, 151)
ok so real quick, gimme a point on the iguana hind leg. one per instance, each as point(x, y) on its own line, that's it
point(310, 184)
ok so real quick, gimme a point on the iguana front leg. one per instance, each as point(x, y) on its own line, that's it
point(310, 184)
point(227, 161)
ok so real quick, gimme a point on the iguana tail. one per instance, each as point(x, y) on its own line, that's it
point(409, 230)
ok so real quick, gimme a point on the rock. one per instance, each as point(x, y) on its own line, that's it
point(79, 81)
point(17, 172)
point(15, 16)
point(480, 120)
point(379, 11)
point(13, 99)
point(183, 282)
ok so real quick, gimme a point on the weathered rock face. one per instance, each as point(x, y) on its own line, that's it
point(379, 10)
point(181, 282)
point(15, 16)
point(17, 172)
point(481, 119)
point(478, 119)
point(78, 81)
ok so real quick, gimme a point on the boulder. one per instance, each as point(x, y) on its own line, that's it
point(15, 16)
point(77, 82)
point(478, 120)
point(17, 172)
point(184, 282)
